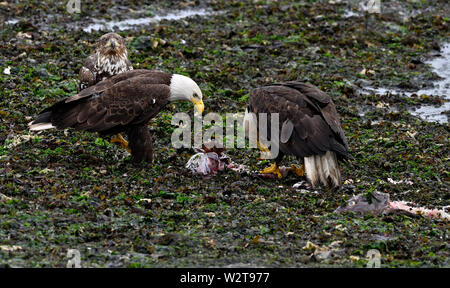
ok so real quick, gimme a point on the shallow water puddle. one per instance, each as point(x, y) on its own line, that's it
point(431, 113)
point(12, 21)
point(441, 66)
point(358, 11)
point(127, 24)
point(396, 8)
point(100, 24)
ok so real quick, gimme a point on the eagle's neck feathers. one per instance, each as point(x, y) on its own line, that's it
point(112, 64)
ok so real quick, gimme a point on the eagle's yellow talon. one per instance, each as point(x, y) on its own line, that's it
point(299, 171)
point(272, 170)
point(265, 152)
point(261, 147)
point(119, 139)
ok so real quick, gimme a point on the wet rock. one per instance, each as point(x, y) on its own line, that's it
point(43, 73)
point(142, 43)
point(370, 203)
point(170, 239)
point(363, 82)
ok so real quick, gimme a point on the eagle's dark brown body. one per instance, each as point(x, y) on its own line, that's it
point(315, 133)
point(122, 103)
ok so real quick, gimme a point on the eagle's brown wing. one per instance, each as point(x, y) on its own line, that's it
point(324, 104)
point(129, 66)
point(155, 76)
point(312, 135)
point(309, 91)
point(126, 103)
point(87, 75)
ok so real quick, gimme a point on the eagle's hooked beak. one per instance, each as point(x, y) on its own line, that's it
point(198, 105)
point(112, 43)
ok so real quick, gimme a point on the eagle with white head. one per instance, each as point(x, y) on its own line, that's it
point(126, 103)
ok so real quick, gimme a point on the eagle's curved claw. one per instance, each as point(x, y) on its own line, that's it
point(122, 142)
point(265, 152)
point(261, 147)
point(272, 170)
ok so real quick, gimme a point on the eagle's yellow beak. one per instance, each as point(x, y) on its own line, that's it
point(198, 105)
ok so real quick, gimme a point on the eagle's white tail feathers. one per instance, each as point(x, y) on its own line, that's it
point(40, 126)
point(310, 170)
point(323, 168)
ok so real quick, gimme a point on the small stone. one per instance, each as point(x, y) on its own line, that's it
point(7, 71)
point(354, 258)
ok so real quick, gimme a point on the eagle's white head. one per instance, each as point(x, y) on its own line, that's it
point(184, 88)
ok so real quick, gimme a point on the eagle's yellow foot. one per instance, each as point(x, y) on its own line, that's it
point(119, 139)
point(272, 170)
point(299, 171)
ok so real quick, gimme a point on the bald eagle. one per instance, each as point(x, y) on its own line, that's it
point(123, 103)
point(110, 58)
point(309, 125)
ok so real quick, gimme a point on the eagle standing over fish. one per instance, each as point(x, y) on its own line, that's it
point(110, 58)
point(310, 129)
point(122, 103)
